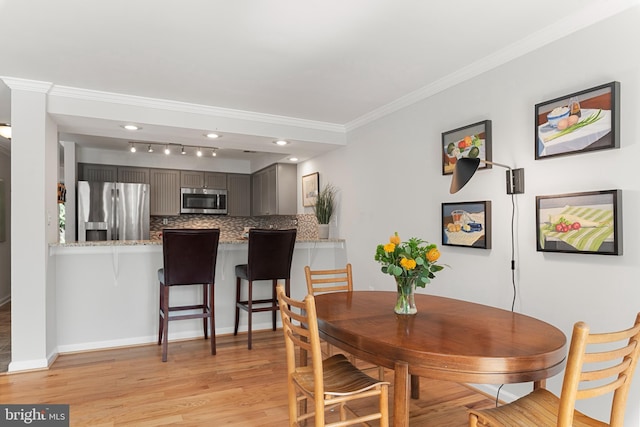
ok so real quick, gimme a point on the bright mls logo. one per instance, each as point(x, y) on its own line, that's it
point(36, 415)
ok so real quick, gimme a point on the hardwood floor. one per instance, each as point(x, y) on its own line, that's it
point(237, 387)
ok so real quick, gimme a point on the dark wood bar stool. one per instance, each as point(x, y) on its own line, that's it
point(189, 259)
point(270, 255)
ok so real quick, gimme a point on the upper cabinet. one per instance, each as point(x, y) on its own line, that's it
point(196, 179)
point(165, 192)
point(99, 173)
point(133, 175)
point(239, 194)
point(274, 190)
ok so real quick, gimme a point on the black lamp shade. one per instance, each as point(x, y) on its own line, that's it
point(462, 173)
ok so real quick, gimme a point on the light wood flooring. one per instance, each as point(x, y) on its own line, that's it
point(237, 387)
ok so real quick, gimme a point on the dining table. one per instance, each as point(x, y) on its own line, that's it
point(448, 339)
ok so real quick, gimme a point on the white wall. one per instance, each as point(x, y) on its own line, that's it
point(390, 179)
point(5, 247)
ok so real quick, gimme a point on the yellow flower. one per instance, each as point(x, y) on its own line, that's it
point(389, 247)
point(433, 255)
point(408, 264)
point(395, 239)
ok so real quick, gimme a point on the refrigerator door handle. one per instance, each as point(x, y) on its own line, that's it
point(115, 199)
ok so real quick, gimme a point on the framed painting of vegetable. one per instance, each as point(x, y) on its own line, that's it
point(583, 121)
point(467, 224)
point(310, 186)
point(468, 141)
point(586, 223)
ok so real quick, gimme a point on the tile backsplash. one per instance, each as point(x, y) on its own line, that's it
point(231, 227)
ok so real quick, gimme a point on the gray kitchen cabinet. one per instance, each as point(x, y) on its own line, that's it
point(133, 175)
point(99, 173)
point(197, 179)
point(239, 194)
point(165, 192)
point(274, 190)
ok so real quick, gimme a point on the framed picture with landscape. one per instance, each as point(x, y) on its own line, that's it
point(586, 223)
point(467, 141)
point(579, 122)
point(310, 186)
point(467, 224)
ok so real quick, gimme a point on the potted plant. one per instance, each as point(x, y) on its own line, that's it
point(324, 209)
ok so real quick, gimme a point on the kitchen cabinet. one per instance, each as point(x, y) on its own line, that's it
point(165, 192)
point(239, 194)
point(197, 179)
point(133, 175)
point(274, 190)
point(100, 173)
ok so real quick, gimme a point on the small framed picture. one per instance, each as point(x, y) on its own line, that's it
point(585, 223)
point(579, 122)
point(468, 141)
point(310, 186)
point(467, 224)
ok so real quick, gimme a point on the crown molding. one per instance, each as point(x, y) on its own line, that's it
point(15, 83)
point(169, 105)
point(582, 19)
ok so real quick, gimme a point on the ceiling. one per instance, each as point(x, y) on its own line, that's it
point(328, 61)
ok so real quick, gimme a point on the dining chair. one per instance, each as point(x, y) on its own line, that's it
point(269, 258)
point(335, 280)
point(597, 364)
point(189, 258)
point(329, 382)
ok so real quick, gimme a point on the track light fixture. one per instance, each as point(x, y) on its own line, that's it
point(182, 150)
point(133, 147)
point(166, 148)
point(199, 152)
point(150, 149)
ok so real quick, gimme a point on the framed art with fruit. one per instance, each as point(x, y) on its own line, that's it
point(587, 223)
point(468, 141)
point(467, 224)
point(583, 121)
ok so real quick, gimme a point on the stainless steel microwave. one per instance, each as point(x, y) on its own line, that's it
point(203, 201)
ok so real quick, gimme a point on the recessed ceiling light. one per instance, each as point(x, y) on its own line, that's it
point(212, 135)
point(293, 159)
point(131, 127)
point(281, 142)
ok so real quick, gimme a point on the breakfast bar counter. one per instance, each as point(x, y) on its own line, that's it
point(107, 293)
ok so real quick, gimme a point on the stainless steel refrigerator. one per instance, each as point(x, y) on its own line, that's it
point(112, 211)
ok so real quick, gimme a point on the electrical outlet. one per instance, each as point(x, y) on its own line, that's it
point(165, 221)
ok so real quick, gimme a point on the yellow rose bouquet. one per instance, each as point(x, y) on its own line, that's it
point(411, 263)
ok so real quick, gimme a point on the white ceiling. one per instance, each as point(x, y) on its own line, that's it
point(342, 62)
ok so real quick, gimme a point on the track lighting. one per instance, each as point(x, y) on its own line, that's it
point(150, 149)
point(199, 152)
point(213, 153)
point(166, 150)
point(167, 147)
point(182, 151)
point(132, 148)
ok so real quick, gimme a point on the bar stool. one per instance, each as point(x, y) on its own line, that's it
point(270, 255)
point(189, 257)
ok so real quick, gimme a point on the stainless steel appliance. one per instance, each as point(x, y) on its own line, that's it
point(203, 201)
point(112, 211)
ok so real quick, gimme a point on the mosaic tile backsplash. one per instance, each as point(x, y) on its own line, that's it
point(231, 227)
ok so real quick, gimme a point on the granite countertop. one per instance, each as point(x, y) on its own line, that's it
point(159, 242)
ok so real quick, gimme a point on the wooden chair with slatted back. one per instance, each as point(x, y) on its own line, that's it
point(597, 364)
point(336, 280)
point(330, 382)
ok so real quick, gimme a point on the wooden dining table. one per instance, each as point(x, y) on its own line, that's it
point(448, 339)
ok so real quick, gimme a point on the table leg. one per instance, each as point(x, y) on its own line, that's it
point(415, 387)
point(540, 384)
point(401, 388)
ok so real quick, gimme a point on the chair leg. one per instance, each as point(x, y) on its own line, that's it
point(274, 303)
point(249, 312)
point(205, 302)
point(212, 319)
point(160, 311)
point(235, 329)
point(165, 322)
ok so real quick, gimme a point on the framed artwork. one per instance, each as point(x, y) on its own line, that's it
point(468, 141)
point(579, 122)
point(586, 223)
point(310, 186)
point(467, 224)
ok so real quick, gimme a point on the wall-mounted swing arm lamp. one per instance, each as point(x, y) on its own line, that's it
point(466, 167)
point(5, 130)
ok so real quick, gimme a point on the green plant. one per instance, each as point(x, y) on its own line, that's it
point(325, 204)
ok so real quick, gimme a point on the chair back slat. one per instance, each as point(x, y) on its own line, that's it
point(336, 280)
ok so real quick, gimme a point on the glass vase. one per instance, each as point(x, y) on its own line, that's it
point(405, 302)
